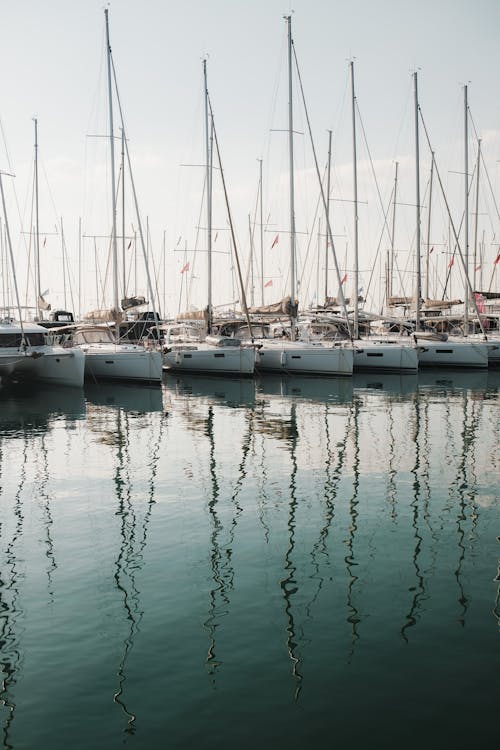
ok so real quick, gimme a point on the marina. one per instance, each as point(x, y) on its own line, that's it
point(249, 375)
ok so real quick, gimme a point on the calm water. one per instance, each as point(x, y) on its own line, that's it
point(222, 564)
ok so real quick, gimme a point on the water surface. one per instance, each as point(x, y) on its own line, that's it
point(221, 563)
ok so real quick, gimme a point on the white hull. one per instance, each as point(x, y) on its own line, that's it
point(382, 356)
point(297, 357)
point(227, 360)
point(53, 365)
point(122, 362)
point(452, 353)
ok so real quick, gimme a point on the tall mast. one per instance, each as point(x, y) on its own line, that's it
point(390, 265)
point(113, 178)
point(123, 217)
point(261, 238)
point(477, 212)
point(466, 214)
point(355, 180)
point(327, 211)
point(292, 185)
point(37, 229)
point(427, 258)
point(208, 151)
point(418, 291)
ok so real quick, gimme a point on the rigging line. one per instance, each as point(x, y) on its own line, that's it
point(309, 243)
point(469, 285)
point(329, 229)
point(197, 239)
point(373, 172)
point(242, 289)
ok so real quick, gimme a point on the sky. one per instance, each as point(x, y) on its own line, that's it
point(54, 68)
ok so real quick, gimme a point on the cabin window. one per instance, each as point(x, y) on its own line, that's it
point(296, 356)
point(188, 356)
point(374, 354)
point(444, 351)
point(219, 354)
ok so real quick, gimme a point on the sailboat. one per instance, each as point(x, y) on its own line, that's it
point(26, 353)
point(186, 349)
point(292, 356)
point(105, 356)
point(447, 353)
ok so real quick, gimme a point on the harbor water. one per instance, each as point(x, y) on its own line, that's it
point(220, 563)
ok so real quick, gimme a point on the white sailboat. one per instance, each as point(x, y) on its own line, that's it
point(294, 356)
point(185, 348)
point(105, 356)
point(25, 351)
point(390, 356)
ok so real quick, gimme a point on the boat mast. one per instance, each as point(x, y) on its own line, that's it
point(327, 211)
point(477, 215)
point(123, 217)
point(113, 178)
point(292, 185)
point(418, 293)
point(261, 238)
point(466, 214)
point(208, 151)
point(427, 259)
point(390, 283)
point(37, 229)
point(355, 180)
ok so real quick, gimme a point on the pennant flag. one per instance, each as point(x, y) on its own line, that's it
point(344, 279)
point(275, 241)
point(180, 238)
point(215, 238)
point(480, 302)
point(477, 268)
point(185, 268)
point(129, 245)
point(45, 242)
point(451, 262)
point(431, 250)
point(269, 283)
point(495, 262)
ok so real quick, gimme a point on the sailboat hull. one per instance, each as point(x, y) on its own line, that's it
point(384, 357)
point(452, 354)
point(211, 359)
point(122, 362)
point(304, 358)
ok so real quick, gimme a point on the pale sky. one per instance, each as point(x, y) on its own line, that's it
point(52, 58)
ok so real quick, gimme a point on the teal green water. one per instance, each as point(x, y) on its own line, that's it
point(220, 563)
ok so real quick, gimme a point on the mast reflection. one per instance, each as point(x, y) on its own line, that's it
point(11, 612)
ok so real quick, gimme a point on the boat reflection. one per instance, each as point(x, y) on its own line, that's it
point(34, 410)
point(392, 384)
point(453, 380)
point(232, 392)
point(309, 388)
point(125, 396)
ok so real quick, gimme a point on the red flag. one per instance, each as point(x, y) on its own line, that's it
point(451, 262)
point(480, 302)
point(185, 268)
point(495, 262)
point(477, 268)
point(344, 279)
point(269, 283)
point(275, 241)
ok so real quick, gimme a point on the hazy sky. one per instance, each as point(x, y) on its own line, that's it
point(53, 67)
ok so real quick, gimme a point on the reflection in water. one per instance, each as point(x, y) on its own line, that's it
point(353, 618)
point(133, 538)
point(288, 584)
point(418, 589)
point(333, 473)
point(10, 609)
point(47, 518)
point(222, 552)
